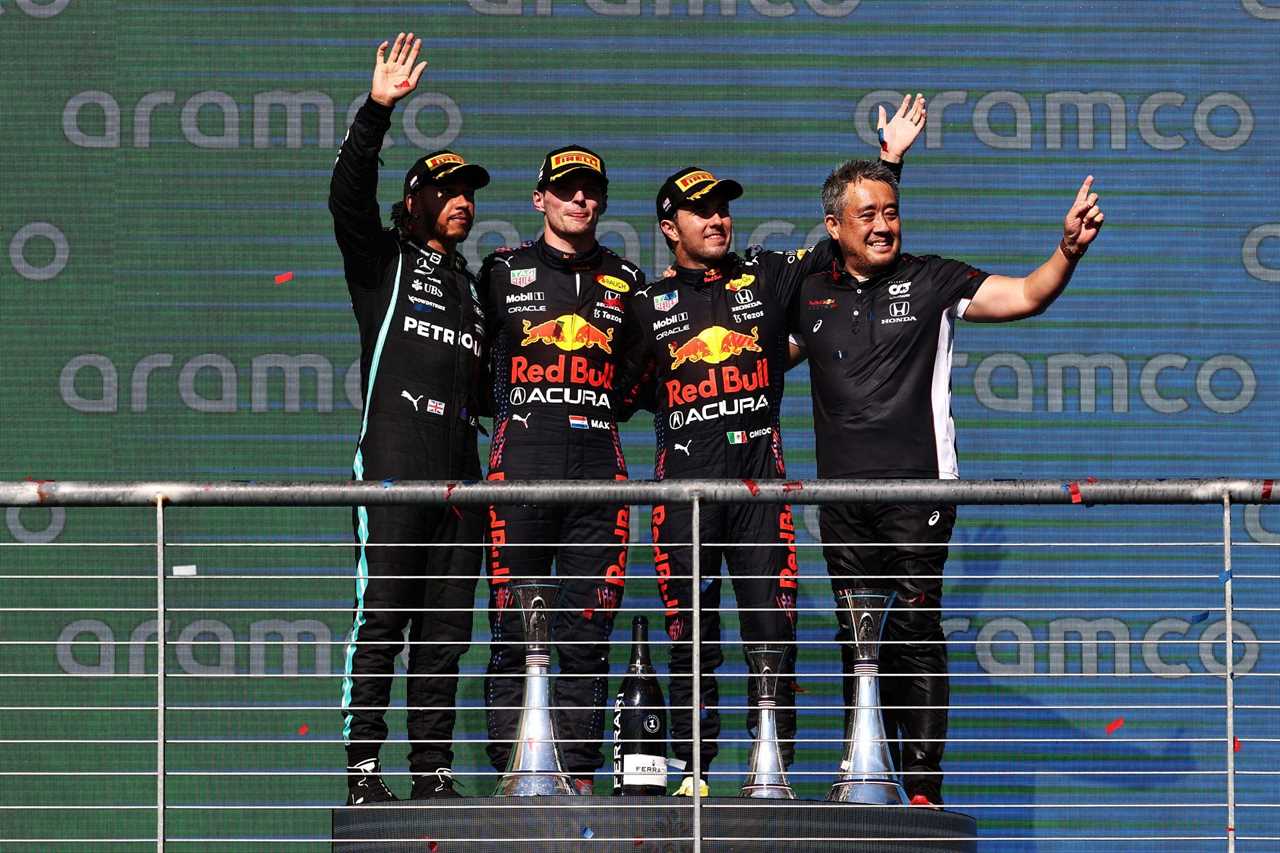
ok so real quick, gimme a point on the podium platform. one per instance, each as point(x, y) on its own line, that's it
point(646, 825)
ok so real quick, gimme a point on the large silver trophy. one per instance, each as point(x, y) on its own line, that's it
point(866, 772)
point(766, 774)
point(534, 769)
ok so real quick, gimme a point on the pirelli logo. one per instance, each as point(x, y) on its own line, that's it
point(575, 158)
point(693, 178)
point(445, 160)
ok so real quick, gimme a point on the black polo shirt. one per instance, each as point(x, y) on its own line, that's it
point(880, 365)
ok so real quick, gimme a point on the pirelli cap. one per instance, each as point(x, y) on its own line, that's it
point(441, 166)
point(690, 184)
point(565, 161)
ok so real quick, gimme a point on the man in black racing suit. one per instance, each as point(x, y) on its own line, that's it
point(421, 343)
point(556, 309)
point(711, 355)
point(878, 326)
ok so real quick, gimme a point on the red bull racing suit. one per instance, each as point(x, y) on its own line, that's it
point(556, 323)
point(712, 359)
point(421, 333)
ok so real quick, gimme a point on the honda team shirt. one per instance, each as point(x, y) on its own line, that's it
point(880, 365)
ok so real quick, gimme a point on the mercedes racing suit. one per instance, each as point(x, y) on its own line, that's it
point(715, 350)
point(880, 366)
point(556, 322)
point(421, 333)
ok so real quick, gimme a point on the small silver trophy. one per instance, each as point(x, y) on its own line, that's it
point(866, 772)
point(535, 769)
point(766, 773)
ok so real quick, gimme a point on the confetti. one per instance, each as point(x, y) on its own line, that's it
point(1235, 746)
point(386, 484)
point(303, 729)
point(588, 613)
point(639, 842)
point(1073, 489)
point(1200, 617)
point(1224, 575)
point(792, 486)
point(433, 846)
point(1114, 724)
point(587, 833)
point(284, 277)
point(1266, 489)
point(751, 486)
point(403, 84)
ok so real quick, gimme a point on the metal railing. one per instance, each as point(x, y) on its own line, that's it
point(164, 495)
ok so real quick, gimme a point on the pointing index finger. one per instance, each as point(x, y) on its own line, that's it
point(1083, 192)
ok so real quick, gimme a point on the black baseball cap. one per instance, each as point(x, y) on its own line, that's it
point(572, 158)
point(690, 184)
point(444, 165)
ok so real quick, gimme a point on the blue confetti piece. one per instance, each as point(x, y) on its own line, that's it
point(1224, 575)
point(587, 833)
point(1199, 617)
point(386, 484)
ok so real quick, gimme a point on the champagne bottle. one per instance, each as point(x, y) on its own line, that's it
point(639, 724)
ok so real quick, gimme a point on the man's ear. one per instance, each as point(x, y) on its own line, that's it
point(669, 230)
point(409, 203)
point(537, 202)
point(833, 227)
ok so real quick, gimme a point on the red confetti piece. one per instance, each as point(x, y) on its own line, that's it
point(433, 846)
point(792, 486)
point(1266, 489)
point(1114, 724)
point(404, 84)
point(639, 842)
point(1236, 745)
point(303, 729)
point(448, 490)
point(751, 487)
point(456, 511)
point(588, 613)
point(1074, 489)
point(284, 277)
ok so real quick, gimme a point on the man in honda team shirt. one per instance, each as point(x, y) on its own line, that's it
point(556, 310)
point(713, 346)
point(877, 328)
point(421, 345)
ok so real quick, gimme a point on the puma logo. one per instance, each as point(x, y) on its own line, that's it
point(634, 272)
point(684, 448)
point(412, 399)
point(524, 419)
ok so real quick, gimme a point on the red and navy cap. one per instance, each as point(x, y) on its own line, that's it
point(441, 167)
point(691, 184)
point(565, 161)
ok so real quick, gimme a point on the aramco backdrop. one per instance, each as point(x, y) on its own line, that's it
point(174, 308)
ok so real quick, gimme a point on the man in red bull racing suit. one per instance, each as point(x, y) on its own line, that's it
point(421, 333)
point(556, 309)
point(711, 358)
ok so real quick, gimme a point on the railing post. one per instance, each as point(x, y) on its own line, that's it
point(1228, 615)
point(695, 569)
point(160, 703)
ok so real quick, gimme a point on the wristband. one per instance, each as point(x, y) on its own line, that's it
point(1068, 254)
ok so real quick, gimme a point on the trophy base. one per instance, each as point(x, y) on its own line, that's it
point(768, 792)
point(870, 792)
point(535, 785)
point(599, 824)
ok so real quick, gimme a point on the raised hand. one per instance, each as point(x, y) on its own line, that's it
point(397, 75)
point(897, 134)
point(1083, 221)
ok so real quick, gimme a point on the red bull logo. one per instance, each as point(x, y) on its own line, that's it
point(568, 332)
point(714, 345)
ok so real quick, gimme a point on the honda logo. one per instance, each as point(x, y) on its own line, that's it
point(744, 297)
point(899, 309)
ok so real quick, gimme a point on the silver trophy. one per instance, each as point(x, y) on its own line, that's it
point(866, 772)
point(535, 769)
point(766, 773)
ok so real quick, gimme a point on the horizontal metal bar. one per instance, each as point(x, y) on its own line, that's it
point(347, 493)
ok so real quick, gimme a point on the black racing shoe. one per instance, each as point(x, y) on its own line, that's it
point(365, 785)
point(432, 786)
